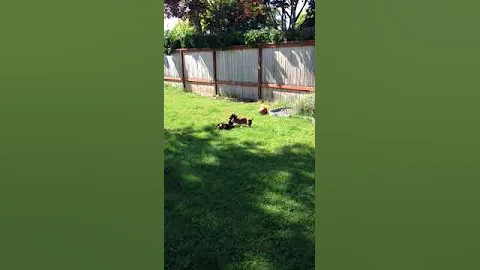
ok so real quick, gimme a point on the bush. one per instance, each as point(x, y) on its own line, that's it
point(306, 33)
point(181, 29)
point(170, 44)
point(266, 35)
point(187, 37)
point(184, 35)
point(228, 39)
point(181, 36)
point(305, 106)
point(303, 33)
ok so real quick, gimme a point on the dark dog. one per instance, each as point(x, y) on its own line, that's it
point(233, 117)
point(242, 120)
point(227, 126)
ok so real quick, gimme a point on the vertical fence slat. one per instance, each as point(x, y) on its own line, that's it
point(182, 63)
point(215, 71)
point(259, 72)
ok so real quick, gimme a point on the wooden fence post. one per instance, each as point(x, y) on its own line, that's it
point(215, 71)
point(183, 70)
point(259, 67)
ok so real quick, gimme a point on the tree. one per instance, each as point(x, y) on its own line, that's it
point(301, 19)
point(221, 23)
point(310, 18)
point(288, 10)
point(186, 9)
point(226, 16)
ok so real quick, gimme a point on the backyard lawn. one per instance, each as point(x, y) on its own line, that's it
point(241, 198)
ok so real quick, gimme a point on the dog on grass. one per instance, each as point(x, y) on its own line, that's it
point(227, 126)
point(240, 120)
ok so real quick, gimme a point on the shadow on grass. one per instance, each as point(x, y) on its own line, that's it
point(230, 205)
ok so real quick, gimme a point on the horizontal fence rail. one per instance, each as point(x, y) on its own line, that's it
point(282, 71)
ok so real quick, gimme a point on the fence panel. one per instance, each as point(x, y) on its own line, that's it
point(237, 65)
point(238, 91)
point(289, 66)
point(172, 66)
point(199, 65)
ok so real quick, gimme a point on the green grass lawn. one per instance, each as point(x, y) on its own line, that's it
point(241, 198)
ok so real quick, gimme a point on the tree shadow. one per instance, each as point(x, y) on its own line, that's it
point(234, 205)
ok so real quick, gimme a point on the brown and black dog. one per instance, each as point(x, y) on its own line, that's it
point(238, 120)
point(227, 126)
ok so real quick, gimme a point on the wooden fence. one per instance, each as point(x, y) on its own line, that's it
point(273, 72)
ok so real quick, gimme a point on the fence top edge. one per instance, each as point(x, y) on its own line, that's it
point(262, 45)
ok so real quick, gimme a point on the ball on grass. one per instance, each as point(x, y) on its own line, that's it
point(263, 110)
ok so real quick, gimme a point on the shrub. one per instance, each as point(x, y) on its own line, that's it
point(169, 43)
point(303, 33)
point(305, 106)
point(184, 35)
point(266, 35)
point(228, 39)
point(191, 39)
point(182, 29)
point(181, 36)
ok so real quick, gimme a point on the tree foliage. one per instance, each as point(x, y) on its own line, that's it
point(265, 35)
point(223, 16)
point(310, 15)
point(288, 10)
point(222, 23)
point(186, 9)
